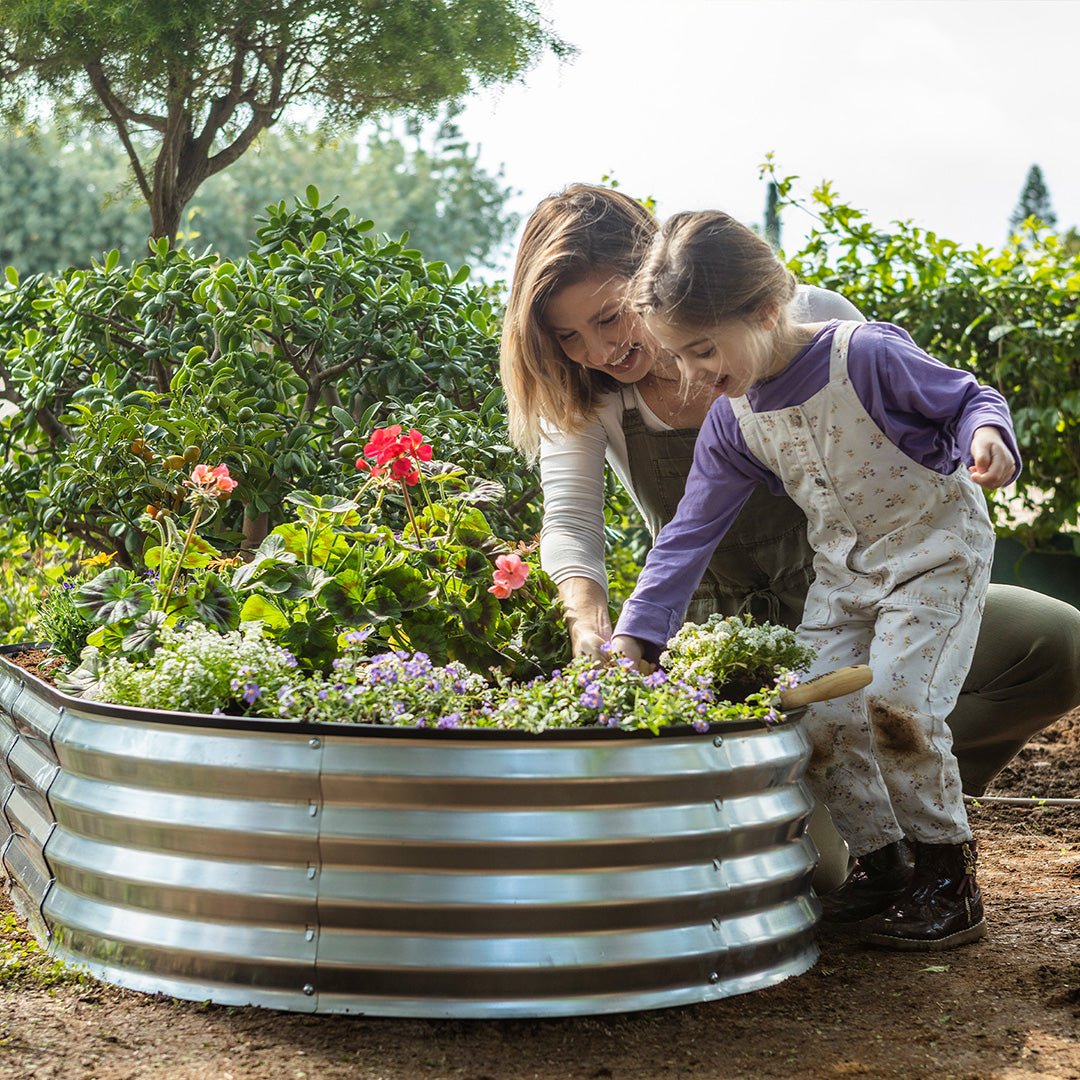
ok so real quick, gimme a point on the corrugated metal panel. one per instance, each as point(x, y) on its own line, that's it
point(341, 869)
point(185, 858)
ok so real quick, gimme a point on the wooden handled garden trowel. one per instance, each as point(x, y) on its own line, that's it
point(832, 684)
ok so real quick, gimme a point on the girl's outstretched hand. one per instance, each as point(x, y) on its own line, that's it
point(993, 463)
point(632, 648)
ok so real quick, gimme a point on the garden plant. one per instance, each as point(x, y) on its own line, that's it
point(1010, 316)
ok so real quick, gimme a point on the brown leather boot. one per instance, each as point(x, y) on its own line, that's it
point(942, 908)
point(879, 879)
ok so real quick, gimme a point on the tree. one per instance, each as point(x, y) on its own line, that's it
point(189, 87)
point(59, 202)
point(427, 182)
point(1034, 202)
point(772, 216)
point(64, 201)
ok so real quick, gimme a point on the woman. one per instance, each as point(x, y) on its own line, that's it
point(585, 385)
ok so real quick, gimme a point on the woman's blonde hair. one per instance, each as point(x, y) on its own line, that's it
point(703, 268)
point(581, 231)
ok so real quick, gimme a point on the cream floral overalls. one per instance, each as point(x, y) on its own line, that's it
point(901, 568)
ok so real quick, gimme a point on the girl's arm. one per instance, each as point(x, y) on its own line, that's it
point(902, 388)
point(720, 481)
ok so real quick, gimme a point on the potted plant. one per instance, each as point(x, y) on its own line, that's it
point(259, 788)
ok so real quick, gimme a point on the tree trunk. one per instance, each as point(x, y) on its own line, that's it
point(255, 530)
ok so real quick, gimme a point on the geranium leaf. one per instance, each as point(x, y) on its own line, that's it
point(112, 597)
point(144, 634)
point(212, 602)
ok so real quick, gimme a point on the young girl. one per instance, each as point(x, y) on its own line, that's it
point(870, 436)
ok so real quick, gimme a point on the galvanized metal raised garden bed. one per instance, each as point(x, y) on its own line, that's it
point(392, 872)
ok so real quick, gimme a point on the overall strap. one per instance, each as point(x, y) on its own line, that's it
point(740, 407)
point(838, 356)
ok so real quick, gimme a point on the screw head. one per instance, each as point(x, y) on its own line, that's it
point(718, 740)
point(309, 989)
point(714, 977)
point(314, 743)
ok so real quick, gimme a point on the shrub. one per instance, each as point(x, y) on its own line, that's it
point(278, 363)
point(1011, 316)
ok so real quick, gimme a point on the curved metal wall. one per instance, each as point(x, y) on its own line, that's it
point(405, 873)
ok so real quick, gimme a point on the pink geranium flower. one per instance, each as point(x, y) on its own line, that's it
point(512, 570)
point(509, 574)
point(214, 480)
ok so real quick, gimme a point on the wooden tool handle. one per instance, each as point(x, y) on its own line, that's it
point(832, 684)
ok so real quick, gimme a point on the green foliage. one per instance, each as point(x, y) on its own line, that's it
point(593, 693)
point(25, 965)
point(61, 202)
point(339, 566)
point(27, 574)
point(205, 77)
point(198, 670)
point(61, 623)
point(1034, 203)
point(66, 199)
point(276, 364)
point(425, 587)
point(431, 187)
point(1010, 316)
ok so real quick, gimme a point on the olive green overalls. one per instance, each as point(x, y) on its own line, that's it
point(764, 564)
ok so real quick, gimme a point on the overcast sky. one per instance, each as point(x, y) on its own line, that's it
point(926, 109)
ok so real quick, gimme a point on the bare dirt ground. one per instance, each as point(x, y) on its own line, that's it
point(1005, 1008)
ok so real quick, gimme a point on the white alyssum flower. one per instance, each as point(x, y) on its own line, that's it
point(197, 669)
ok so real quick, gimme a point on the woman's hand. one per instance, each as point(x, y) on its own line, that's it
point(585, 611)
point(992, 461)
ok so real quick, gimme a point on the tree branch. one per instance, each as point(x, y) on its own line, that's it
point(117, 111)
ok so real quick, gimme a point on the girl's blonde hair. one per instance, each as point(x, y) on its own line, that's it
point(703, 268)
point(581, 231)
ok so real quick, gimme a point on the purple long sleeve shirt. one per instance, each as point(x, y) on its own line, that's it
point(927, 409)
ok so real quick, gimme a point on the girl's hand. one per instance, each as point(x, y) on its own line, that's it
point(588, 642)
point(993, 463)
point(632, 648)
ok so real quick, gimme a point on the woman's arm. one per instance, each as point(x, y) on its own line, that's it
point(585, 607)
point(572, 537)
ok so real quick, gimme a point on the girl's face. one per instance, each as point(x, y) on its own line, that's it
point(724, 356)
point(595, 330)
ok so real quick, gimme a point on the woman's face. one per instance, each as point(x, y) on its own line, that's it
point(593, 328)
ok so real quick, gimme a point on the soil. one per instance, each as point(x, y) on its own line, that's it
point(1005, 1008)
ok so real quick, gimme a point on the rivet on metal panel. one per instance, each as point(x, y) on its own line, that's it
point(717, 922)
point(714, 977)
point(314, 743)
point(311, 872)
point(313, 809)
point(716, 864)
point(718, 741)
point(718, 803)
point(309, 934)
point(309, 989)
